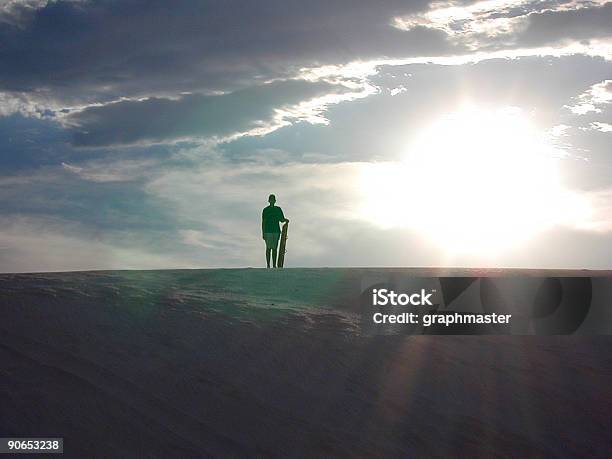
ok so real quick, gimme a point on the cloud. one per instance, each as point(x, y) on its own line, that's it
point(601, 220)
point(85, 52)
point(593, 99)
point(602, 127)
point(582, 20)
point(75, 53)
point(137, 72)
point(218, 204)
point(16, 12)
point(24, 104)
point(115, 171)
point(36, 244)
point(381, 126)
point(206, 213)
point(511, 25)
point(252, 111)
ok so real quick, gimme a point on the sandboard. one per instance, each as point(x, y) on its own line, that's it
point(283, 244)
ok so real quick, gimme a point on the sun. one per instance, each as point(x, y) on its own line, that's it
point(474, 181)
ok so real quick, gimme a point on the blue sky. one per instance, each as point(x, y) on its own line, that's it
point(148, 134)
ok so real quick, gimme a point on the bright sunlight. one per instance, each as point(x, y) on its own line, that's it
point(476, 181)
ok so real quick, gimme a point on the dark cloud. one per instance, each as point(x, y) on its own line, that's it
point(77, 52)
point(109, 48)
point(555, 26)
point(157, 120)
point(18, 12)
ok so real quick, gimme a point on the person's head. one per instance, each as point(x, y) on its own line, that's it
point(271, 199)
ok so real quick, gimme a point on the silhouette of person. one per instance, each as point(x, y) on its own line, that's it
point(270, 228)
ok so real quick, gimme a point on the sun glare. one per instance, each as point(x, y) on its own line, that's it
point(474, 181)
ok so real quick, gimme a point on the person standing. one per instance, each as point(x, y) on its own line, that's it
point(271, 217)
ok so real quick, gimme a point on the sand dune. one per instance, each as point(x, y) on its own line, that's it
point(248, 362)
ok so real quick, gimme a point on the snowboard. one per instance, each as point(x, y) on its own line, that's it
point(283, 244)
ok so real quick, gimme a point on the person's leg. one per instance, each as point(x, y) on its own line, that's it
point(268, 248)
point(274, 257)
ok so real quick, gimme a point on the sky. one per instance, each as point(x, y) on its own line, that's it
point(147, 134)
